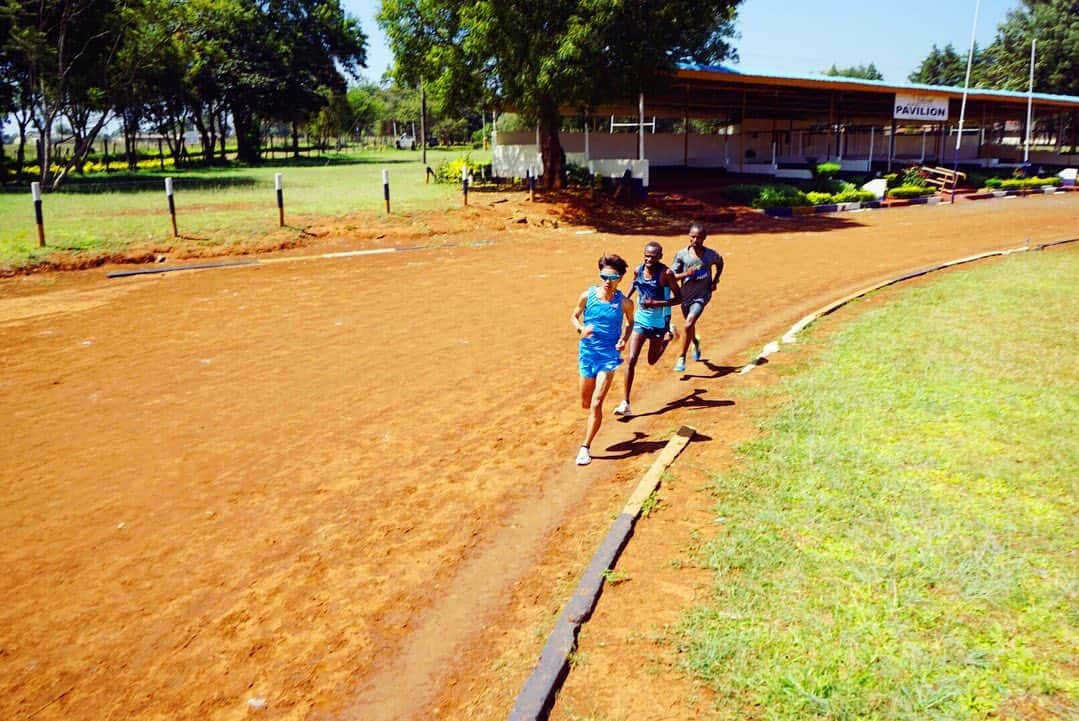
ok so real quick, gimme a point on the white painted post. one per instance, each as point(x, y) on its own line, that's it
point(587, 149)
point(640, 127)
point(35, 193)
point(963, 105)
point(280, 199)
point(1030, 103)
point(773, 155)
point(172, 207)
point(386, 188)
point(464, 183)
point(872, 136)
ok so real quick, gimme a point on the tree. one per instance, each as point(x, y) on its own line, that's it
point(1055, 25)
point(366, 106)
point(941, 67)
point(66, 49)
point(865, 72)
point(538, 58)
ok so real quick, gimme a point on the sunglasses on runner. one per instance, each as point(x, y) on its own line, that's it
point(610, 276)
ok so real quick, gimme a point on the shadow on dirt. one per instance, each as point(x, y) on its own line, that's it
point(676, 198)
point(691, 401)
point(637, 446)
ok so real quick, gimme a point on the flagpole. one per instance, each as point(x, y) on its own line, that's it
point(963, 105)
point(1030, 103)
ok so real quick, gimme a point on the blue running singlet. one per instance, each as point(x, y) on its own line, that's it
point(651, 289)
point(597, 352)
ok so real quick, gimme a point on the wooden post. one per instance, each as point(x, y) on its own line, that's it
point(464, 184)
point(386, 189)
point(160, 154)
point(172, 206)
point(280, 200)
point(35, 193)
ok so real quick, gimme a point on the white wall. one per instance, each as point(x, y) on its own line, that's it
point(750, 152)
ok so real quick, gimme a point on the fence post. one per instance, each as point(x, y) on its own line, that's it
point(386, 189)
point(35, 193)
point(464, 183)
point(280, 200)
point(172, 207)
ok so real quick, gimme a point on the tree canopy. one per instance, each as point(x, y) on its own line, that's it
point(171, 64)
point(1005, 63)
point(539, 57)
point(865, 72)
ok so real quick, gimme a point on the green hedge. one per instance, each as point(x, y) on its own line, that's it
point(788, 196)
point(1019, 183)
point(910, 191)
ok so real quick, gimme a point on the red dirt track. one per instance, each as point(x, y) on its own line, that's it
point(331, 484)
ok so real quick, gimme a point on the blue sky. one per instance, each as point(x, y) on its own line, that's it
point(796, 36)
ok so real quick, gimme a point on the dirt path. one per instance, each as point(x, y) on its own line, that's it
point(345, 487)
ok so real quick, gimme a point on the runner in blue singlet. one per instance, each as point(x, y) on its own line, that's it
point(657, 290)
point(600, 315)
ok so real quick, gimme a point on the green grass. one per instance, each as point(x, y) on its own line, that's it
point(220, 206)
point(901, 539)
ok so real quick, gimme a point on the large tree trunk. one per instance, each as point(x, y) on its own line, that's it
point(247, 136)
point(223, 131)
point(131, 138)
point(554, 157)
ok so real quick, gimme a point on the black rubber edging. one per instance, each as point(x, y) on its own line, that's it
point(537, 696)
point(170, 269)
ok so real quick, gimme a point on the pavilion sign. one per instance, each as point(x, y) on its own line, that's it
point(927, 108)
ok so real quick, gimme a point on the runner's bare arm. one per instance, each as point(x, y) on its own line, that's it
point(719, 271)
point(628, 314)
point(578, 314)
point(671, 281)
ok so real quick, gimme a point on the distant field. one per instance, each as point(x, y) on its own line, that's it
point(900, 543)
point(220, 206)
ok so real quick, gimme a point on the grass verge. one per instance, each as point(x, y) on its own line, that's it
point(900, 541)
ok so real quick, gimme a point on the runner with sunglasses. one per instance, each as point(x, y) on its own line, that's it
point(693, 266)
point(604, 318)
point(657, 290)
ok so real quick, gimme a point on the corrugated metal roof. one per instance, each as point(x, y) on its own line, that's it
point(749, 75)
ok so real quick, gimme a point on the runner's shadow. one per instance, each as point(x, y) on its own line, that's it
point(717, 371)
point(637, 446)
point(693, 400)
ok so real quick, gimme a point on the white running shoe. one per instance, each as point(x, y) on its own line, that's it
point(583, 456)
point(622, 409)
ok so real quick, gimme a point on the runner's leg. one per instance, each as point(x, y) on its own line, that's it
point(602, 384)
point(636, 341)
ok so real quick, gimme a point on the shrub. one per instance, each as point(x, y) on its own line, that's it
point(993, 183)
point(893, 180)
point(853, 196)
point(910, 191)
point(827, 171)
point(818, 198)
point(450, 171)
point(780, 196)
point(743, 194)
point(577, 175)
point(912, 176)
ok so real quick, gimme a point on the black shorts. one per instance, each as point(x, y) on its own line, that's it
point(650, 332)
